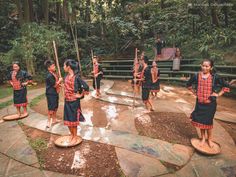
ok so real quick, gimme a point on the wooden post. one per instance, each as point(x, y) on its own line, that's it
point(93, 71)
point(56, 58)
point(57, 62)
point(135, 71)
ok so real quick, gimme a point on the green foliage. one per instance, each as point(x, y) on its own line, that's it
point(38, 144)
point(34, 45)
point(5, 92)
point(5, 104)
point(36, 100)
point(112, 27)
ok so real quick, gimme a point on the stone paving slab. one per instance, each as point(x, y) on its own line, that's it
point(220, 165)
point(8, 110)
point(126, 120)
point(119, 100)
point(137, 165)
point(14, 143)
point(171, 153)
point(123, 93)
point(226, 116)
point(4, 160)
point(107, 84)
point(221, 136)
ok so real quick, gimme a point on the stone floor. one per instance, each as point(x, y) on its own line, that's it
point(138, 156)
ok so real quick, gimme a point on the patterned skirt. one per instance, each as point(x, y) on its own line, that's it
point(20, 97)
point(145, 94)
point(52, 101)
point(155, 86)
point(72, 113)
point(203, 115)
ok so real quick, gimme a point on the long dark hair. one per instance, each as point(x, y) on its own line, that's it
point(74, 65)
point(48, 63)
point(146, 59)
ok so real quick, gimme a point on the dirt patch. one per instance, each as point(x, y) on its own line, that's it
point(230, 128)
point(95, 159)
point(171, 127)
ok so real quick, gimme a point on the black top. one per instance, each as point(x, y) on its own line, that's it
point(80, 85)
point(50, 84)
point(21, 76)
point(100, 69)
point(217, 82)
point(147, 77)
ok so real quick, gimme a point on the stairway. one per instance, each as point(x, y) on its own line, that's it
point(122, 69)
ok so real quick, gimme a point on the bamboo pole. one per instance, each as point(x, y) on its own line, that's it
point(57, 61)
point(135, 71)
point(93, 71)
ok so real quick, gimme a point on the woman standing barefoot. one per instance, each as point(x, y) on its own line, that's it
point(19, 79)
point(207, 90)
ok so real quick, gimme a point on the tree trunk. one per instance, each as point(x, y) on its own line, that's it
point(87, 17)
point(45, 7)
point(31, 13)
point(19, 10)
point(26, 11)
point(58, 12)
point(226, 19)
point(65, 11)
point(162, 4)
point(214, 16)
point(30, 66)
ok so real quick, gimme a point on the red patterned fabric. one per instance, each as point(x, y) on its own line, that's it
point(50, 112)
point(225, 89)
point(201, 126)
point(68, 123)
point(154, 72)
point(22, 104)
point(204, 90)
point(69, 88)
point(95, 69)
point(71, 124)
point(16, 83)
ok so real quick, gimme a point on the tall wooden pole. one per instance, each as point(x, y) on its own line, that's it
point(93, 71)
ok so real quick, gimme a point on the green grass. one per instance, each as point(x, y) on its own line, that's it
point(5, 104)
point(5, 91)
point(20, 123)
point(38, 144)
point(36, 100)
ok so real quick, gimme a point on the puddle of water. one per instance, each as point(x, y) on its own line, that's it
point(88, 133)
point(88, 114)
point(111, 112)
